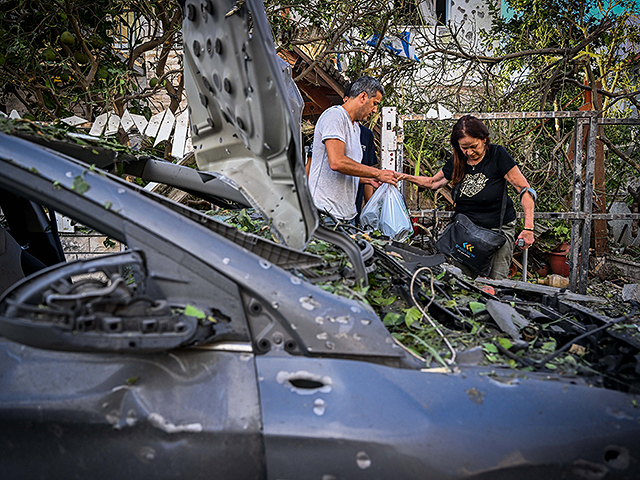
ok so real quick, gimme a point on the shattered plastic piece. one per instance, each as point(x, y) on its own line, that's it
point(98, 125)
point(74, 120)
point(631, 292)
point(507, 318)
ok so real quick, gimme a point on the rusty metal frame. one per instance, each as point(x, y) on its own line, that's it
point(581, 214)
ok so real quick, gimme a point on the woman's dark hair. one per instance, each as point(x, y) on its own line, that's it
point(466, 126)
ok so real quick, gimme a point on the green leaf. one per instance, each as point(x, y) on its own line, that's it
point(79, 185)
point(489, 348)
point(192, 311)
point(505, 343)
point(392, 318)
point(549, 346)
point(412, 315)
point(107, 205)
point(381, 302)
point(477, 307)
point(449, 303)
point(430, 349)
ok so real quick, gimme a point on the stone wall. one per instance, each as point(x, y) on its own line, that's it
point(82, 245)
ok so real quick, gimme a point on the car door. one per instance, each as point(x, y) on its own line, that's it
point(137, 363)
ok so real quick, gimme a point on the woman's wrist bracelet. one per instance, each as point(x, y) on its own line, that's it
point(529, 229)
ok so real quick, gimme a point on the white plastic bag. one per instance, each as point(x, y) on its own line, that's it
point(370, 215)
point(387, 212)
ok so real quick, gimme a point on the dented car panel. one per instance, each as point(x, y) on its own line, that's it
point(278, 374)
point(73, 415)
point(361, 420)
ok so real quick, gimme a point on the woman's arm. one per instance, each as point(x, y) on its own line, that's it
point(517, 180)
point(435, 182)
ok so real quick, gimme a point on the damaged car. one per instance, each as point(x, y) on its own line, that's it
point(202, 351)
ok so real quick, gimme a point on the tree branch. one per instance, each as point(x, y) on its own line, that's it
point(619, 152)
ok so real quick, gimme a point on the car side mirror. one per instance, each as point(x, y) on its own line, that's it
point(97, 305)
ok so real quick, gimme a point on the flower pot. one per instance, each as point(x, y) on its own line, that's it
point(559, 263)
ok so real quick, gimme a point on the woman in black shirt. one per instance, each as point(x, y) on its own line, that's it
point(479, 170)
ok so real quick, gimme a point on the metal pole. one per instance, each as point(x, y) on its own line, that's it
point(576, 202)
point(588, 204)
point(400, 149)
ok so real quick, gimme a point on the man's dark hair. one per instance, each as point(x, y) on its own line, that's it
point(369, 85)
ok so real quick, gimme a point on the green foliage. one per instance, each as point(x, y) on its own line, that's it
point(108, 243)
point(65, 57)
point(569, 42)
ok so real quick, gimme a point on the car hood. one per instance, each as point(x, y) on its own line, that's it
point(245, 113)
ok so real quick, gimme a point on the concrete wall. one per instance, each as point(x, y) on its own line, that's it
point(79, 246)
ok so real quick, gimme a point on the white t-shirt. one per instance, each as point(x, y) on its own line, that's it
point(333, 191)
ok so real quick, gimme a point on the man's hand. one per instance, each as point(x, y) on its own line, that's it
point(370, 181)
point(387, 176)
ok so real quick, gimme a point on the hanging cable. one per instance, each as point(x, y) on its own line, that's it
point(426, 315)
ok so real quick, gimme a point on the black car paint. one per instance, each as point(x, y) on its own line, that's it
point(308, 385)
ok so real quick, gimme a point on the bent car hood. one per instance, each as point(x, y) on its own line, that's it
point(245, 113)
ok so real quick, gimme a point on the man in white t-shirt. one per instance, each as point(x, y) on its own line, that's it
point(336, 167)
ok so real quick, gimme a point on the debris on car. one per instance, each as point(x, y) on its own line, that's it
point(282, 349)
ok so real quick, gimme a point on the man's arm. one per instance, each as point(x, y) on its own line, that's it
point(339, 162)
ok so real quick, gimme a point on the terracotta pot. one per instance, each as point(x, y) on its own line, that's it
point(543, 271)
point(559, 263)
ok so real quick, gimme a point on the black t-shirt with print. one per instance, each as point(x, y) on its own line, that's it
point(479, 195)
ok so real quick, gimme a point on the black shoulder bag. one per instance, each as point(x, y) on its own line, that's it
point(472, 245)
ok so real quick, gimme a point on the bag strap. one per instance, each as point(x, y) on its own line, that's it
point(504, 206)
